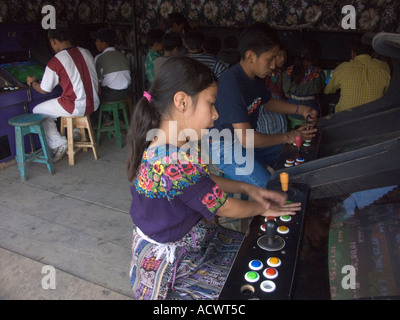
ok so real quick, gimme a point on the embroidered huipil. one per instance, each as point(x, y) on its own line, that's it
point(172, 192)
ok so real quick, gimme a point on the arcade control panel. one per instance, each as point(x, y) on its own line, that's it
point(297, 153)
point(265, 264)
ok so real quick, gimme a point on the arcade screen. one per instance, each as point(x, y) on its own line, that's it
point(351, 247)
point(22, 69)
point(328, 75)
point(365, 234)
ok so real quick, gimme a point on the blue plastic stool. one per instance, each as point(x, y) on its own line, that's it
point(25, 124)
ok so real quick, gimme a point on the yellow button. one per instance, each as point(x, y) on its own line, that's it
point(274, 262)
point(283, 229)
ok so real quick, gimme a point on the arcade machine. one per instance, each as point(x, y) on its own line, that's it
point(25, 52)
point(344, 243)
point(265, 264)
point(350, 143)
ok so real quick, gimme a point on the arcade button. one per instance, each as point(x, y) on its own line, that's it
point(289, 161)
point(262, 227)
point(269, 218)
point(288, 165)
point(286, 218)
point(306, 144)
point(252, 276)
point(270, 273)
point(274, 262)
point(268, 286)
point(301, 160)
point(283, 229)
point(307, 141)
point(297, 163)
point(256, 265)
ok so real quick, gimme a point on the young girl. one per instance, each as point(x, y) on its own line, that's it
point(177, 252)
point(304, 81)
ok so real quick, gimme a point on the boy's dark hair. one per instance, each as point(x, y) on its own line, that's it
point(154, 36)
point(171, 40)
point(178, 73)
point(212, 45)
point(61, 33)
point(194, 40)
point(258, 38)
point(359, 47)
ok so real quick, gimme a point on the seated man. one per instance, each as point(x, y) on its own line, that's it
point(243, 153)
point(360, 80)
point(112, 68)
point(73, 68)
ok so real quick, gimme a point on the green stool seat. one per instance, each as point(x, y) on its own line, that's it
point(26, 124)
point(113, 108)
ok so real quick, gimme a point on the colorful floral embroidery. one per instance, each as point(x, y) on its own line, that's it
point(164, 173)
point(311, 74)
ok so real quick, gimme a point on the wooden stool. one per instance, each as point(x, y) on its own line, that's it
point(26, 124)
point(113, 108)
point(74, 146)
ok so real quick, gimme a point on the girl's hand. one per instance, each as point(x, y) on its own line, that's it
point(276, 210)
point(264, 197)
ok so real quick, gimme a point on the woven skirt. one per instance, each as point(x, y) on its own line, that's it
point(202, 261)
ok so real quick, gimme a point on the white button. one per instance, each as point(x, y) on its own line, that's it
point(268, 286)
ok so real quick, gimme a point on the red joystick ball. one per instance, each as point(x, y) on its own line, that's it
point(298, 141)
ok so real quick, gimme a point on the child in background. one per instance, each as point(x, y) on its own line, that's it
point(274, 79)
point(172, 45)
point(304, 81)
point(273, 122)
point(177, 252)
point(154, 40)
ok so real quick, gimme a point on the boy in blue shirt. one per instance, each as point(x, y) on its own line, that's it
point(244, 153)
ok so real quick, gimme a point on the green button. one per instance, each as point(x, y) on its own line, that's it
point(287, 202)
point(286, 217)
point(252, 275)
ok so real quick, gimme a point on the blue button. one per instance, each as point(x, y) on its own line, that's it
point(256, 265)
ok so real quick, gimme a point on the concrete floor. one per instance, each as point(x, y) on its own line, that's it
point(76, 221)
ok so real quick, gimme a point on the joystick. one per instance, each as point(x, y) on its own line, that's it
point(271, 241)
point(284, 178)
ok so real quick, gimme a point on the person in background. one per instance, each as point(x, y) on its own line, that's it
point(177, 252)
point(154, 41)
point(229, 53)
point(304, 81)
point(74, 69)
point(178, 23)
point(112, 69)
point(274, 122)
point(241, 94)
point(212, 45)
point(194, 42)
point(361, 80)
point(172, 44)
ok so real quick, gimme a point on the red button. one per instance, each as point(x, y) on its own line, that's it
point(271, 271)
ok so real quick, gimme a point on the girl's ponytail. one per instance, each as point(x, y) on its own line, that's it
point(144, 118)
